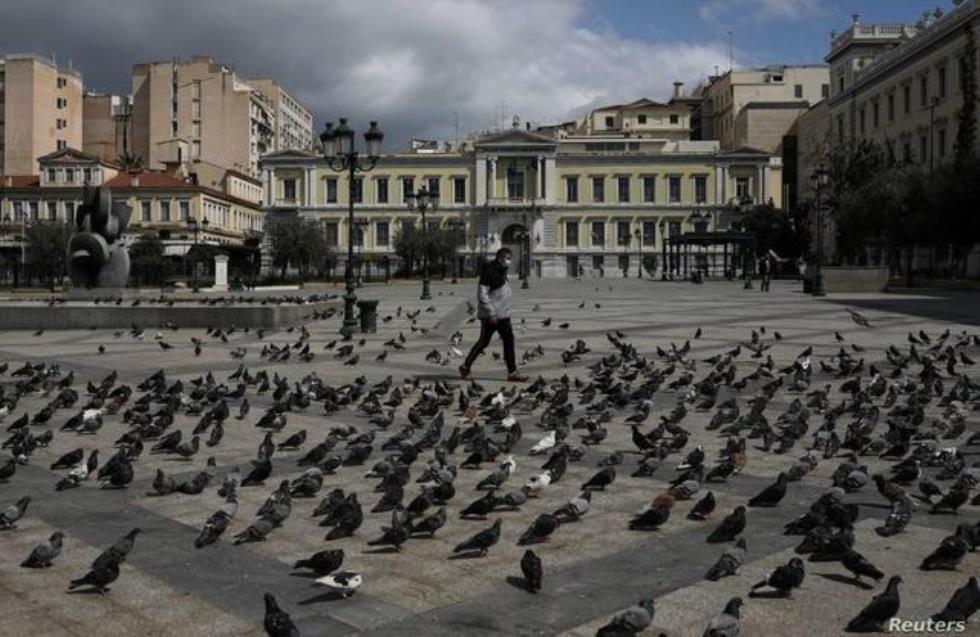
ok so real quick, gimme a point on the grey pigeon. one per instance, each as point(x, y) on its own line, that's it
point(14, 512)
point(631, 621)
point(45, 552)
point(277, 622)
point(728, 562)
point(99, 577)
point(727, 623)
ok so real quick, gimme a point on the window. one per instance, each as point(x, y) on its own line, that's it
point(598, 233)
point(623, 189)
point(173, 126)
point(18, 211)
point(69, 175)
point(798, 91)
point(381, 233)
point(840, 84)
point(331, 233)
point(195, 129)
point(52, 210)
point(623, 233)
point(861, 120)
point(196, 108)
point(941, 82)
point(941, 142)
point(515, 184)
point(432, 185)
point(874, 114)
point(649, 233)
point(571, 234)
point(357, 192)
point(598, 189)
point(596, 261)
point(675, 228)
point(145, 214)
point(924, 90)
point(408, 188)
point(381, 194)
point(87, 175)
point(610, 121)
point(674, 189)
point(700, 189)
point(906, 99)
point(52, 175)
point(330, 192)
point(289, 189)
point(196, 148)
point(70, 210)
point(185, 209)
point(923, 148)
point(891, 107)
point(459, 190)
point(825, 90)
point(62, 144)
point(571, 189)
point(641, 118)
point(164, 211)
point(675, 119)
point(649, 189)
point(742, 187)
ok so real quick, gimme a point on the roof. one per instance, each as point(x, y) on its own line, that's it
point(148, 179)
point(73, 154)
point(643, 102)
point(515, 136)
point(20, 181)
point(744, 150)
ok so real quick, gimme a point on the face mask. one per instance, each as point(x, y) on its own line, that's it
point(506, 263)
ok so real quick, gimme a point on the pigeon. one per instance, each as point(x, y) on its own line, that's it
point(45, 552)
point(343, 582)
point(277, 622)
point(119, 551)
point(859, 565)
point(879, 610)
point(729, 562)
point(603, 478)
point(542, 526)
point(728, 622)
point(531, 569)
point(949, 553)
point(576, 507)
point(703, 508)
point(99, 577)
point(322, 562)
point(631, 621)
point(783, 579)
point(654, 516)
point(392, 536)
point(13, 512)
point(256, 532)
point(68, 460)
point(771, 495)
point(964, 603)
point(730, 527)
point(482, 541)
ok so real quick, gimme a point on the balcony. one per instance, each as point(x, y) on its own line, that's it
point(514, 202)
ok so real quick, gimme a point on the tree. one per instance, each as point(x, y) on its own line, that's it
point(298, 244)
point(439, 244)
point(47, 245)
point(851, 168)
point(775, 229)
point(148, 263)
point(966, 134)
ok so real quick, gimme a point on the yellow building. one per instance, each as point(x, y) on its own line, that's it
point(162, 202)
point(40, 111)
point(590, 203)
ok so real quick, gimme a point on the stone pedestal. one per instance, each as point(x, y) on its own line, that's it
point(221, 272)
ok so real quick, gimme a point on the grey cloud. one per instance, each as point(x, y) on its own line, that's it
point(411, 64)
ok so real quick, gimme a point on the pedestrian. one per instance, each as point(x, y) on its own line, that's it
point(765, 271)
point(493, 309)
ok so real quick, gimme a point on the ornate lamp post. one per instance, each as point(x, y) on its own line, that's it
point(818, 180)
point(422, 201)
point(340, 155)
point(196, 227)
point(639, 252)
point(663, 249)
point(525, 253)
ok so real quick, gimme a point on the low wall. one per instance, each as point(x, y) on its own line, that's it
point(855, 279)
point(32, 315)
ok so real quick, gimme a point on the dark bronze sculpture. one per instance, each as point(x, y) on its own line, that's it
point(96, 256)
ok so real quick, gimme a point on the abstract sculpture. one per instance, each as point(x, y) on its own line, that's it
point(96, 256)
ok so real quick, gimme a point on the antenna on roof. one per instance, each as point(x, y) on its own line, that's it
point(730, 54)
point(456, 128)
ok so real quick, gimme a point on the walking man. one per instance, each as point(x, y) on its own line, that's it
point(493, 309)
point(765, 271)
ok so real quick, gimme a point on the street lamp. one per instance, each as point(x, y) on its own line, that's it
point(526, 252)
point(457, 225)
point(422, 201)
point(818, 180)
point(663, 249)
point(639, 252)
point(338, 149)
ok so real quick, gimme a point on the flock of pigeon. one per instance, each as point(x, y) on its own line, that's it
point(908, 411)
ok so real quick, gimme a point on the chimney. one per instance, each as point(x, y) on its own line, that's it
point(134, 180)
point(678, 89)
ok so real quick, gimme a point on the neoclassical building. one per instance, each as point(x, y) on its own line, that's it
point(590, 202)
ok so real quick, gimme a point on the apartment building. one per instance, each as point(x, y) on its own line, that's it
point(223, 118)
point(592, 203)
point(107, 125)
point(40, 111)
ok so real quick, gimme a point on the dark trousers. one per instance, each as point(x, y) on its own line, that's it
point(766, 278)
point(506, 332)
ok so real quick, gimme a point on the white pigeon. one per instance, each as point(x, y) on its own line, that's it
point(343, 582)
point(537, 483)
point(498, 399)
point(91, 415)
point(79, 472)
point(456, 352)
point(543, 445)
point(508, 421)
point(4, 411)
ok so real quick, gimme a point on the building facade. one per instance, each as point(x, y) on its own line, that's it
point(588, 204)
point(40, 111)
point(294, 123)
point(162, 202)
point(899, 85)
point(107, 125)
point(224, 119)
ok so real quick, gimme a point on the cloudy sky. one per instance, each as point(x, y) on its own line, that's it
point(419, 66)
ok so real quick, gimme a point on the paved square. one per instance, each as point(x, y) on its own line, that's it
point(592, 568)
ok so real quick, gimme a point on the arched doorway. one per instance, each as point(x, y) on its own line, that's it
point(513, 237)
